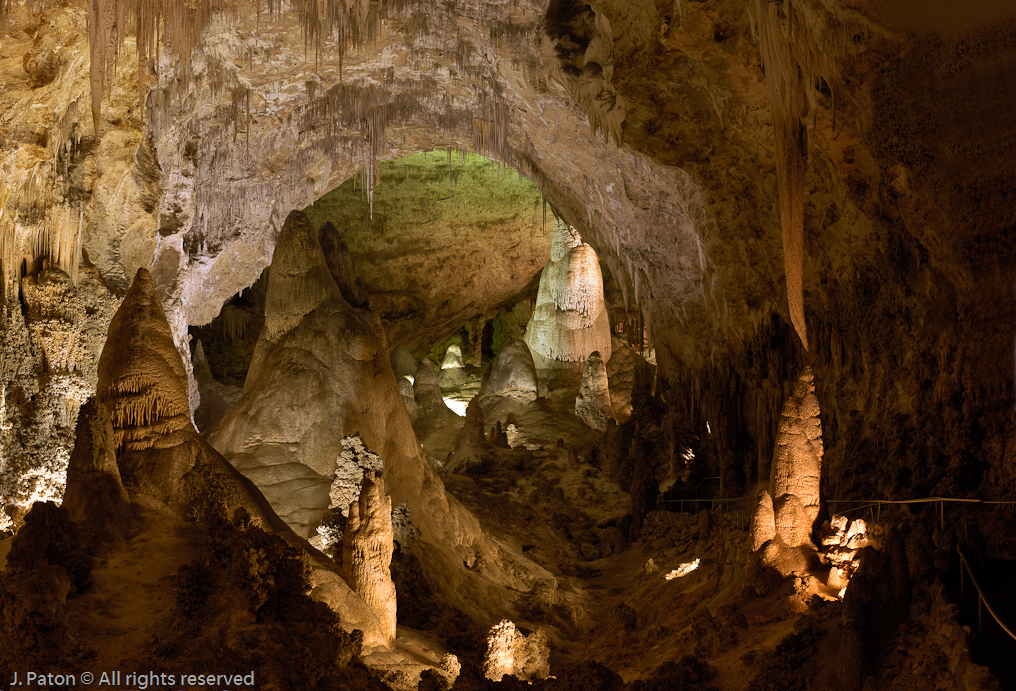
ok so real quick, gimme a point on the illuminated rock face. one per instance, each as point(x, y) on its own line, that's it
point(763, 522)
point(367, 547)
point(511, 652)
point(570, 320)
point(592, 405)
point(797, 466)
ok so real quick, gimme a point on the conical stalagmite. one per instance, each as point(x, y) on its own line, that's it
point(94, 490)
point(797, 465)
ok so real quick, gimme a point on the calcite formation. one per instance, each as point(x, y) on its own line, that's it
point(797, 463)
point(570, 320)
point(162, 460)
point(512, 375)
point(95, 491)
point(367, 547)
point(592, 405)
point(509, 651)
point(427, 389)
point(453, 371)
point(403, 362)
point(409, 397)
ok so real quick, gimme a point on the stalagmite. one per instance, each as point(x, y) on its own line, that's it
point(409, 397)
point(453, 372)
point(367, 548)
point(513, 374)
point(94, 489)
point(570, 319)
point(763, 522)
point(592, 405)
point(797, 465)
point(403, 362)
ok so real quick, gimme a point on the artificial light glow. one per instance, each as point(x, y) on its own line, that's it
point(708, 428)
point(410, 378)
point(683, 570)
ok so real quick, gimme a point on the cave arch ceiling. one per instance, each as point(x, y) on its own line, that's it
point(462, 75)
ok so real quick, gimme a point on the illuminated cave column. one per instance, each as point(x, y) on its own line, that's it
point(570, 320)
point(797, 464)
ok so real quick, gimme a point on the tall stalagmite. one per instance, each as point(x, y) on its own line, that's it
point(367, 548)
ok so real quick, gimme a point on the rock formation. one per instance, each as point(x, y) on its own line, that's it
point(403, 362)
point(162, 460)
point(327, 378)
point(797, 465)
point(512, 375)
point(592, 405)
point(95, 492)
point(453, 371)
point(570, 319)
point(367, 547)
point(340, 262)
point(511, 652)
point(763, 522)
point(216, 398)
point(427, 390)
point(409, 397)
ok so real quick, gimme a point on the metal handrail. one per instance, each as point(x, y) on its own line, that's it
point(981, 599)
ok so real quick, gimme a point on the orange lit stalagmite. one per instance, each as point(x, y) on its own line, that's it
point(367, 547)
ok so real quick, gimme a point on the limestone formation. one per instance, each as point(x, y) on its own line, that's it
point(511, 652)
point(763, 522)
point(216, 398)
point(409, 397)
point(94, 490)
point(427, 390)
point(512, 375)
point(592, 405)
point(403, 362)
point(340, 262)
point(453, 371)
point(367, 548)
point(162, 460)
point(797, 465)
point(570, 319)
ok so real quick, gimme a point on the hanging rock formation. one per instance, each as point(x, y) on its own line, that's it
point(162, 460)
point(367, 547)
point(340, 263)
point(570, 320)
point(592, 405)
point(216, 398)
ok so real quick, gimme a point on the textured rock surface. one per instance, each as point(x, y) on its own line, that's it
point(593, 405)
point(511, 652)
point(797, 465)
point(403, 362)
point(367, 546)
point(216, 398)
point(570, 319)
point(763, 522)
point(408, 397)
point(512, 375)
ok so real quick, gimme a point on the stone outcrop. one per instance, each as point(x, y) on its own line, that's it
point(570, 319)
point(427, 390)
point(763, 522)
point(592, 405)
point(367, 548)
point(340, 262)
point(512, 375)
point(511, 652)
point(216, 398)
point(409, 397)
